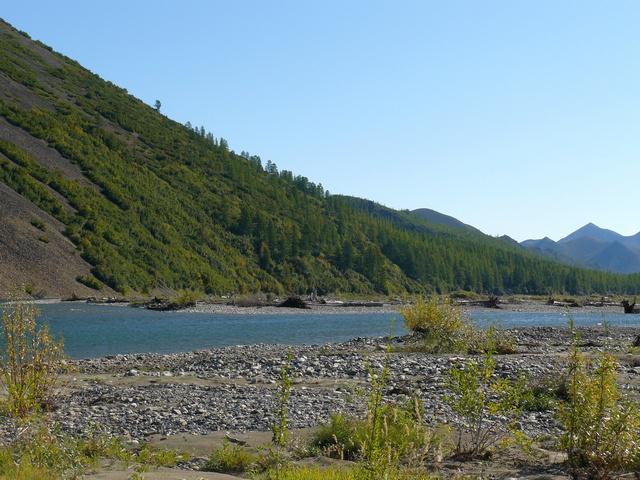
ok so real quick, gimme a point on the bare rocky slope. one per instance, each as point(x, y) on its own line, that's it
point(40, 258)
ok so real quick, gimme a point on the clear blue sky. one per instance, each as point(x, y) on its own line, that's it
point(519, 117)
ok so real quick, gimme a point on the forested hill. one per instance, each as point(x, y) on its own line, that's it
point(101, 191)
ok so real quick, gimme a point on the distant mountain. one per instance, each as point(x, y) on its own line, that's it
point(509, 240)
point(594, 232)
point(592, 247)
point(542, 244)
point(442, 219)
point(615, 257)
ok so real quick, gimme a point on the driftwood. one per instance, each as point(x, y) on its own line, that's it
point(164, 305)
point(636, 342)
point(601, 304)
point(294, 302)
point(630, 307)
point(566, 304)
point(491, 302)
point(363, 304)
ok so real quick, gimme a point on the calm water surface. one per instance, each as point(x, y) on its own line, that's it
point(98, 330)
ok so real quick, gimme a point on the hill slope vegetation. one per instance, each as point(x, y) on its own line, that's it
point(145, 202)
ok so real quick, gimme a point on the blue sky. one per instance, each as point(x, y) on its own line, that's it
point(519, 117)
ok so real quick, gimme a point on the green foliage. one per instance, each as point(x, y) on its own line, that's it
point(24, 469)
point(158, 457)
point(399, 436)
point(163, 204)
point(280, 428)
point(443, 327)
point(374, 438)
point(344, 473)
point(230, 458)
point(480, 397)
point(186, 298)
point(602, 429)
point(277, 458)
point(43, 452)
point(543, 394)
point(46, 453)
point(339, 438)
point(90, 281)
point(500, 341)
point(39, 224)
point(30, 361)
point(390, 434)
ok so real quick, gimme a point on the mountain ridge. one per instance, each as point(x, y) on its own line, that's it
point(443, 219)
point(593, 247)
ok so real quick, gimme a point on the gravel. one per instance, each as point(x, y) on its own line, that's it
point(234, 388)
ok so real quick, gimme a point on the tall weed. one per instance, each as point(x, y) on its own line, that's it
point(30, 363)
point(602, 429)
point(478, 396)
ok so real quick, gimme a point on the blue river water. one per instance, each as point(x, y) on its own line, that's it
point(98, 330)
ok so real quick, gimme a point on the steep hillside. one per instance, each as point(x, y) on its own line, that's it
point(130, 200)
point(33, 251)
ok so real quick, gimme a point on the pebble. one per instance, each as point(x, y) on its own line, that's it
point(235, 388)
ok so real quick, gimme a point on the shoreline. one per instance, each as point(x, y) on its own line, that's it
point(316, 308)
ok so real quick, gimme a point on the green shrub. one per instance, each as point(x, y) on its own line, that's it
point(89, 281)
point(186, 298)
point(39, 224)
point(250, 300)
point(345, 473)
point(43, 452)
point(30, 362)
point(276, 458)
point(339, 437)
point(402, 436)
point(494, 338)
point(24, 469)
point(543, 394)
point(479, 397)
point(464, 295)
point(46, 452)
point(443, 327)
point(390, 434)
point(398, 435)
point(159, 457)
point(230, 458)
point(602, 429)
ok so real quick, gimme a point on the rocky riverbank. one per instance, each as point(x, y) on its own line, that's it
point(233, 389)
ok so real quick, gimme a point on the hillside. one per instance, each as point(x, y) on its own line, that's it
point(442, 219)
point(592, 247)
point(130, 200)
